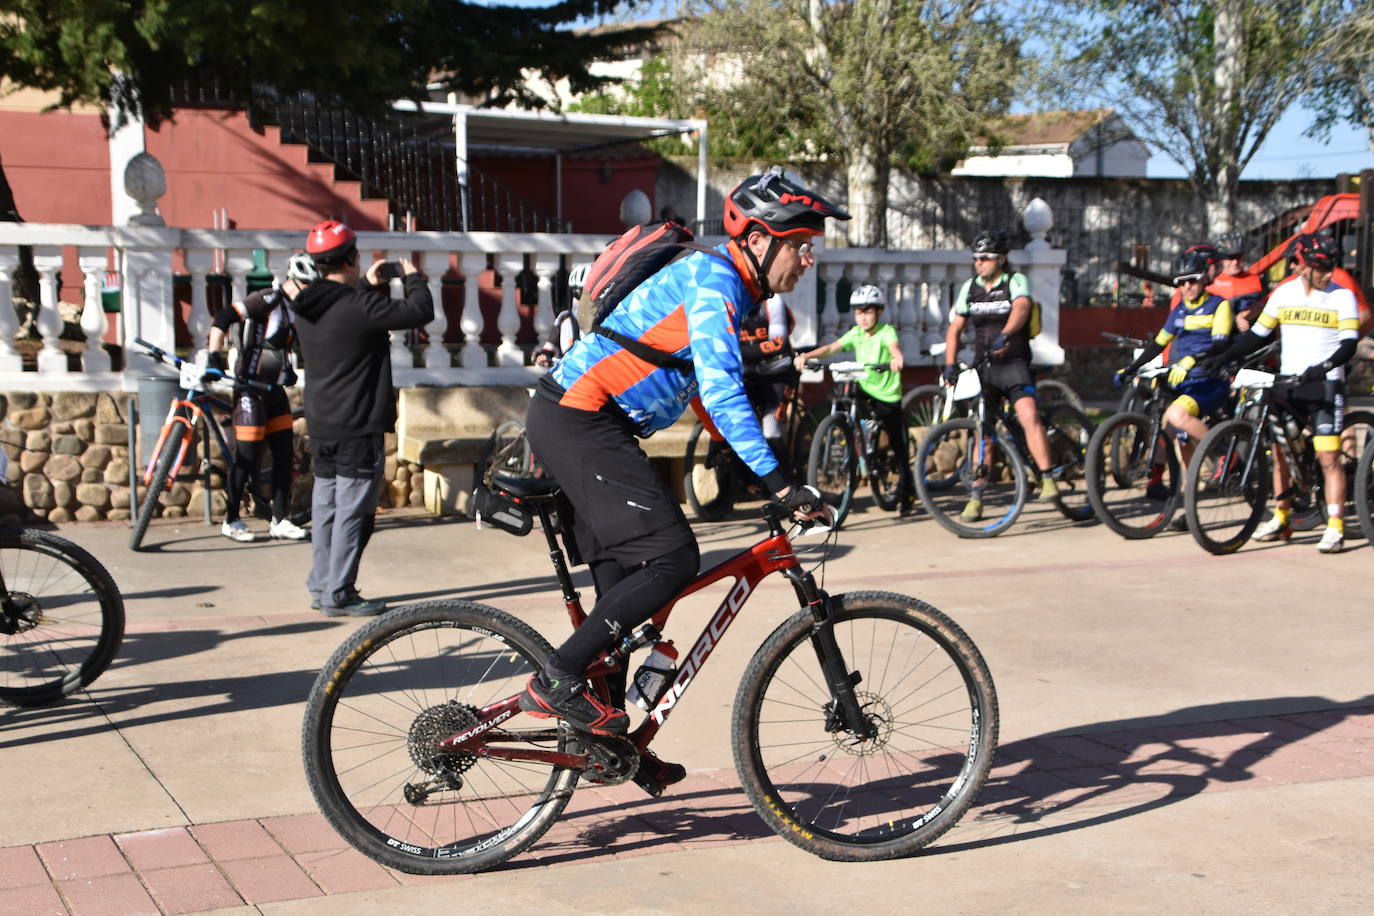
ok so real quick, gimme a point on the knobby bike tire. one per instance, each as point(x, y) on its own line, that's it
point(1068, 432)
point(1119, 470)
point(65, 621)
point(950, 452)
point(923, 684)
point(1364, 493)
point(1227, 486)
point(832, 468)
point(1050, 394)
point(507, 452)
point(1134, 399)
point(375, 714)
point(922, 406)
point(708, 479)
point(801, 433)
point(162, 470)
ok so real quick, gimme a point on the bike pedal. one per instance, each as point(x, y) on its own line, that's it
point(647, 783)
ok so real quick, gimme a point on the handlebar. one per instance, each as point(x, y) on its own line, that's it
point(162, 355)
point(1124, 341)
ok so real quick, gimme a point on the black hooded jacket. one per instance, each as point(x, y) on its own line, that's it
point(344, 339)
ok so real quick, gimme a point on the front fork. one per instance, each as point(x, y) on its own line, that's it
point(843, 712)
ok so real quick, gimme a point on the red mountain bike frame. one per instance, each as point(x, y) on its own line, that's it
point(747, 568)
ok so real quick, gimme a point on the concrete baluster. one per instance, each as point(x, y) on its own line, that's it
point(434, 264)
point(401, 356)
point(908, 315)
point(508, 321)
point(92, 264)
point(47, 260)
point(546, 266)
point(473, 356)
point(199, 263)
point(10, 360)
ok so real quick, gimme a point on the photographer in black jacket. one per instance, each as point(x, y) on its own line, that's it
point(344, 328)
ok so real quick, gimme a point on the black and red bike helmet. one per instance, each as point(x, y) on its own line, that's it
point(331, 242)
point(778, 206)
point(1319, 251)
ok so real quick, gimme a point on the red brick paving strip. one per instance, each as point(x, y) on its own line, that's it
point(209, 866)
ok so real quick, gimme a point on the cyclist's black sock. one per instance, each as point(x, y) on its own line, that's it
point(246, 458)
point(280, 443)
point(625, 605)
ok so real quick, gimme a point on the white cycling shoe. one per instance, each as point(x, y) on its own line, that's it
point(1332, 541)
point(285, 529)
point(237, 530)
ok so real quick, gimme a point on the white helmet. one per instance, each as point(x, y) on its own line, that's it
point(577, 278)
point(301, 268)
point(866, 295)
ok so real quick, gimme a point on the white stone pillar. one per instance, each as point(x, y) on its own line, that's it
point(473, 356)
point(1044, 268)
point(47, 260)
point(435, 265)
point(146, 265)
point(10, 360)
point(508, 321)
point(908, 316)
point(546, 266)
point(93, 323)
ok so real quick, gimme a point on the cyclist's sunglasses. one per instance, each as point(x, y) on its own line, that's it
point(985, 257)
point(803, 249)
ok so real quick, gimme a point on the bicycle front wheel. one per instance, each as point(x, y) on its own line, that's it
point(982, 479)
point(1132, 480)
point(373, 720)
point(832, 468)
point(708, 479)
point(1364, 493)
point(1228, 485)
point(162, 470)
point(1068, 431)
point(62, 618)
point(925, 691)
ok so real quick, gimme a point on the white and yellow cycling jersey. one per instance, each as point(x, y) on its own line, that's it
point(1314, 324)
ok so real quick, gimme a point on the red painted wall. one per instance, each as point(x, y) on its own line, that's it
point(58, 165)
point(591, 199)
point(1084, 327)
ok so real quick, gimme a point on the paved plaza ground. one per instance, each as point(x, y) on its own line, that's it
point(1179, 732)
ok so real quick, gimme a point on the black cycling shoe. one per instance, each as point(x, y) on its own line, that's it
point(554, 694)
point(1158, 490)
point(654, 775)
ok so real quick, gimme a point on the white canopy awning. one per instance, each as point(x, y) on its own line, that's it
point(556, 133)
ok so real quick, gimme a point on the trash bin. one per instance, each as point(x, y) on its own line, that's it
point(155, 395)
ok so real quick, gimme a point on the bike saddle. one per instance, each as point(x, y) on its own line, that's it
point(526, 487)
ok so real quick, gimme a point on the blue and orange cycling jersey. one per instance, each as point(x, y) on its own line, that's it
point(1193, 326)
point(693, 309)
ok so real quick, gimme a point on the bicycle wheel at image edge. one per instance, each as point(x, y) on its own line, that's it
point(1364, 493)
point(162, 469)
point(832, 468)
point(925, 688)
point(706, 480)
point(1068, 431)
point(64, 622)
point(975, 467)
point(1120, 468)
point(1227, 486)
point(376, 713)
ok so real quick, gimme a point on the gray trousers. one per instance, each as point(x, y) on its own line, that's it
point(343, 506)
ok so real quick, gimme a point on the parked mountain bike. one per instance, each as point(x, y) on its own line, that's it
point(1230, 476)
point(1133, 473)
point(955, 463)
point(864, 726)
point(850, 444)
point(715, 479)
point(195, 408)
point(61, 617)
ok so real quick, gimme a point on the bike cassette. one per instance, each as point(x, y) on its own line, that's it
point(610, 761)
point(430, 727)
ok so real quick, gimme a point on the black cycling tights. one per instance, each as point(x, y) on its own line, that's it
point(247, 456)
point(627, 598)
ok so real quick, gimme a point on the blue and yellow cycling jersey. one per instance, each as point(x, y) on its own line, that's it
point(693, 309)
point(1192, 327)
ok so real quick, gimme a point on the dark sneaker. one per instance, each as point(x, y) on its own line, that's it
point(1158, 490)
point(553, 694)
point(356, 606)
point(906, 507)
point(654, 775)
point(1179, 522)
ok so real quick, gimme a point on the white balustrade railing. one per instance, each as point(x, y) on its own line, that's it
point(918, 286)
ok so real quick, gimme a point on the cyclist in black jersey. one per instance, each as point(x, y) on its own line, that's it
point(262, 419)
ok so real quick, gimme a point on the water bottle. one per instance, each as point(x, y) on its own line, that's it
point(654, 676)
point(870, 433)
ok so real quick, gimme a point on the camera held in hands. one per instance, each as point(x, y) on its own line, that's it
point(388, 271)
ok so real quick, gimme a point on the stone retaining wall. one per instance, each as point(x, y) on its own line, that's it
point(68, 459)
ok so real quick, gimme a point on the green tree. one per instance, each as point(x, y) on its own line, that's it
point(1203, 81)
point(866, 83)
point(1343, 89)
point(130, 56)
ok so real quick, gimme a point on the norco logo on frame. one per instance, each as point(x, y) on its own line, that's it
point(724, 615)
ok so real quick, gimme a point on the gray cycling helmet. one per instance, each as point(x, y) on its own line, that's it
point(301, 268)
point(1230, 245)
point(577, 278)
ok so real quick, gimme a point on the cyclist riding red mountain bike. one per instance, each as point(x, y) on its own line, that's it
point(589, 409)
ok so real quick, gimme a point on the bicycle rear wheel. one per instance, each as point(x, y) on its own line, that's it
point(1364, 493)
point(708, 478)
point(1068, 431)
point(832, 468)
point(1227, 488)
point(507, 452)
point(1124, 482)
point(376, 713)
point(1049, 394)
point(62, 619)
point(162, 470)
point(984, 468)
point(925, 687)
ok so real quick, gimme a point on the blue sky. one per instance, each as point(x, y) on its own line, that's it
point(1286, 153)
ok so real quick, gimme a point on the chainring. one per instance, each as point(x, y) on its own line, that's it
point(610, 761)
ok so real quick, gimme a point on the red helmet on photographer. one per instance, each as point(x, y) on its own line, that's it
point(331, 243)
